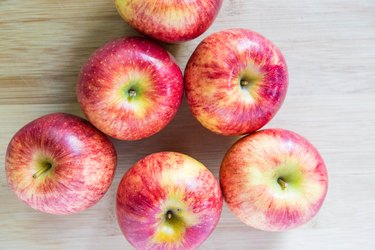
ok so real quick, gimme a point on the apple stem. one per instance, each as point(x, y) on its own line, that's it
point(169, 214)
point(132, 93)
point(244, 83)
point(282, 183)
point(42, 170)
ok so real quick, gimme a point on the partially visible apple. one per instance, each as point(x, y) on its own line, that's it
point(236, 81)
point(60, 164)
point(273, 180)
point(168, 201)
point(130, 89)
point(169, 20)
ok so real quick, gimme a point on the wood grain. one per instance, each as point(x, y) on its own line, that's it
point(329, 48)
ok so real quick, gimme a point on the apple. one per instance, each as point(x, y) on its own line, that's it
point(169, 20)
point(168, 200)
point(60, 164)
point(273, 180)
point(235, 81)
point(130, 89)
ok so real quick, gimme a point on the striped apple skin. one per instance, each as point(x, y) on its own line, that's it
point(249, 174)
point(120, 66)
point(168, 181)
point(169, 20)
point(213, 78)
point(83, 164)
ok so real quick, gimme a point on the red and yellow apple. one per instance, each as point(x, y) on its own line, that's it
point(235, 81)
point(273, 180)
point(169, 20)
point(168, 200)
point(130, 89)
point(60, 164)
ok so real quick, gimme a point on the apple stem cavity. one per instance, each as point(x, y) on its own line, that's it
point(244, 83)
point(132, 93)
point(44, 168)
point(282, 183)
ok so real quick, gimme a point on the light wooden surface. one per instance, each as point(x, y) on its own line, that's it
point(329, 46)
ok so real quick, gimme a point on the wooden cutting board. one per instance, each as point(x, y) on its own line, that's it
point(329, 48)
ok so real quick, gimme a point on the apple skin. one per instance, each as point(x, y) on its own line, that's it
point(169, 20)
point(218, 68)
point(168, 182)
point(81, 164)
point(250, 173)
point(119, 67)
